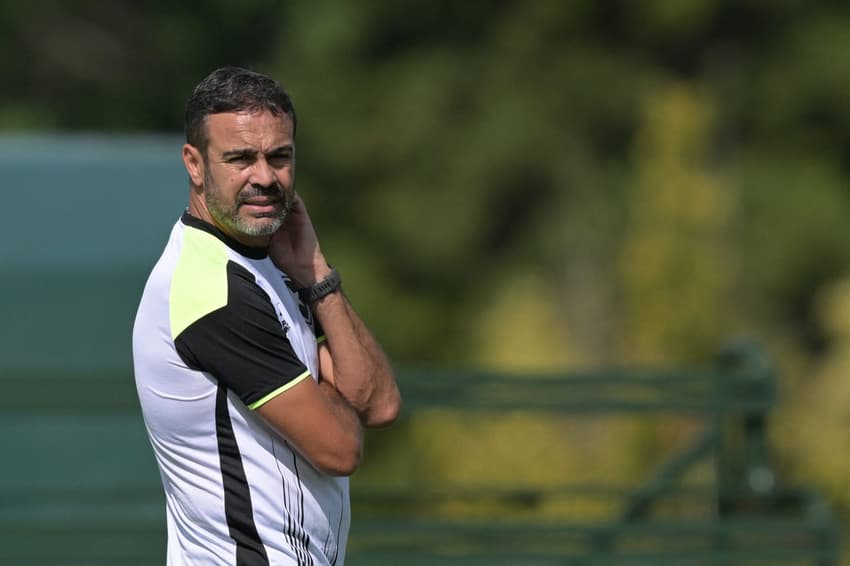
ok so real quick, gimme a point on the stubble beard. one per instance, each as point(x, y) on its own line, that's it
point(227, 214)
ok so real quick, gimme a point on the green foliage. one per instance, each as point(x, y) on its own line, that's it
point(792, 231)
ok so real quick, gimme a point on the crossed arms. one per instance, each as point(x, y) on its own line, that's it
point(356, 388)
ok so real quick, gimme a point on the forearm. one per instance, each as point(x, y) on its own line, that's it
point(345, 414)
point(358, 367)
point(320, 424)
point(361, 370)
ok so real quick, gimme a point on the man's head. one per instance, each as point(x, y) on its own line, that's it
point(240, 153)
point(233, 89)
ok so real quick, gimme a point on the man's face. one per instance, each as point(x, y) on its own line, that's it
point(249, 173)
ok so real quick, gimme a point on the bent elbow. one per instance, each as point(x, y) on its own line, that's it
point(343, 466)
point(342, 462)
point(346, 465)
point(386, 414)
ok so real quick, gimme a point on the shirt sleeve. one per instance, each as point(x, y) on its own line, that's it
point(318, 330)
point(243, 344)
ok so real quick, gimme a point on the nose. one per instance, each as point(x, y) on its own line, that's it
point(262, 174)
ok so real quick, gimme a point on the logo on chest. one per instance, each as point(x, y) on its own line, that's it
point(280, 309)
point(282, 315)
point(302, 308)
point(283, 324)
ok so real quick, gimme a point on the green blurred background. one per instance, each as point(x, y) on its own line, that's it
point(519, 186)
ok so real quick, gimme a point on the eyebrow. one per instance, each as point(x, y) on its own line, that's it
point(240, 152)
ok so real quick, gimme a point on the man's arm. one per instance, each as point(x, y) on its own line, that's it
point(320, 424)
point(352, 360)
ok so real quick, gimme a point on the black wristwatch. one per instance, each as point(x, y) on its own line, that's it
point(321, 288)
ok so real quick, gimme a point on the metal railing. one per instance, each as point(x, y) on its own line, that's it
point(752, 517)
point(80, 485)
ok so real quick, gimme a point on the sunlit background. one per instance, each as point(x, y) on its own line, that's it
point(537, 187)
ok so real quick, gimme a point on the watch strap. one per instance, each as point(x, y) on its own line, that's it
point(322, 288)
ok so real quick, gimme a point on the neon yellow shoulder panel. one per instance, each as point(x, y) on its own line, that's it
point(199, 283)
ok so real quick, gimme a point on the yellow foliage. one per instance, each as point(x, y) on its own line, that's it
point(676, 264)
point(521, 330)
point(815, 425)
point(447, 450)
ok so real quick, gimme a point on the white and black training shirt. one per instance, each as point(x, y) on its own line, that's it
point(218, 333)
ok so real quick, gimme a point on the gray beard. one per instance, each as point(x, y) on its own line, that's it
point(228, 215)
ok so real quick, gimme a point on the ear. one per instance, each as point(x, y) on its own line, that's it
point(194, 162)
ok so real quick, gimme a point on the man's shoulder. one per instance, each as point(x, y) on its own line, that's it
point(199, 278)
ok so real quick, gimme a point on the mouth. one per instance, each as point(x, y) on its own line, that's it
point(259, 206)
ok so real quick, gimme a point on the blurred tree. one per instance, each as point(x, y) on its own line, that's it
point(449, 155)
point(120, 65)
point(677, 262)
point(813, 433)
point(792, 231)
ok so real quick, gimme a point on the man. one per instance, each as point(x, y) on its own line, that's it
point(254, 373)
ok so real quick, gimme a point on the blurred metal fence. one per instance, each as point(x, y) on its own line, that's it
point(752, 516)
point(80, 486)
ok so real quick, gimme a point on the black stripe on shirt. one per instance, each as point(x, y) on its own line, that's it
point(302, 555)
point(302, 537)
point(288, 527)
point(338, 528)
point(238, 510)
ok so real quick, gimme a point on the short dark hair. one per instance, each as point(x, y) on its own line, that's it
point(233, 89)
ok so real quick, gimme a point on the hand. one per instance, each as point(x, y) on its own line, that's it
point(294, 248)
